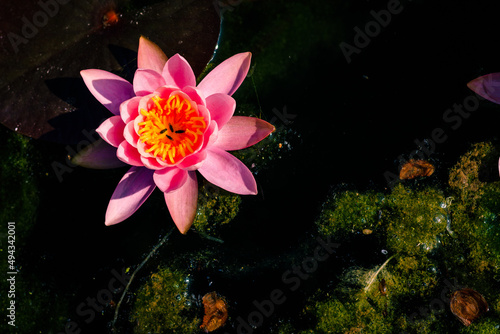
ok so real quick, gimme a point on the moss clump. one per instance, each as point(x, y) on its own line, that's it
point(475, 215)
point(415, 219)
point(487, 226)
point(216, 207)
point(333, 315)
point(361, 306)
point(376, 300)
point(468, 175)
point(163, 306)
point(413, 279)
point(350, 213)
point(482, 326)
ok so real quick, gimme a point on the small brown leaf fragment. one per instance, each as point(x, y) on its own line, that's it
point(382, 287)
point(215, 312)
point(468, 305)
point(416, 168)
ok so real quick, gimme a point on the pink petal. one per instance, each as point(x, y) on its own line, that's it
point(205, 113)
point(194, 94)
point(241, 132)
point(141, 148)
point(151, 162)
point(146, 81)
point(170, 179)
point(150, 56)
point(487, 86)
point(98, 155)
point(108, 88)
point(224, 170)
point(132, 190)
point(146, 102)
point(193, 161)
point(178, 72)
point(221, 107)
point(148, 159)
point(130, 135)
point(228, 76)
point(130, 109)
point(210, 136)
point(182, 203)
point(128, 154)
point(111, 130)
point(165, 91)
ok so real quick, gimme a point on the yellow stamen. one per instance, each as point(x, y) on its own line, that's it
point(172, 128)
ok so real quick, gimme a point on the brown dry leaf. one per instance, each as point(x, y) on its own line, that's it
point(416, 168)
point(468, 305)
point(215, 312)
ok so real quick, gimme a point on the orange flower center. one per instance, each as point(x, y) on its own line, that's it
point(172, 128)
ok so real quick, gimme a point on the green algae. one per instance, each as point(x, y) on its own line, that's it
point(412, 219)
point(216, 208)
point(467, 176)
point(441, 240)
point(350, 213)
point(483, 326)
point(162, 305)
point(415, 219)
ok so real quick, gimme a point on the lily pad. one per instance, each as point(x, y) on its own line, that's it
point(45, 44)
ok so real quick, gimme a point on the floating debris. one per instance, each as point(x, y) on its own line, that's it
point(468, 305)
point(110, 18)
point(215, 312)
point(416, 168)
point(382, 287)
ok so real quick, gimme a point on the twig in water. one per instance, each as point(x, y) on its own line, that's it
point(376, 273)
point(155, 248)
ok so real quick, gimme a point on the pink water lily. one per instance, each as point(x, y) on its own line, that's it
point(167, 128)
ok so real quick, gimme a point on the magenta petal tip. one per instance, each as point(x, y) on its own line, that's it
point(487, 86)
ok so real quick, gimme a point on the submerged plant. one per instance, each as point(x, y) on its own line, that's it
point(167, 127)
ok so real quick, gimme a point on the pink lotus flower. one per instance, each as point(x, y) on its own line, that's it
point(167, 128)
